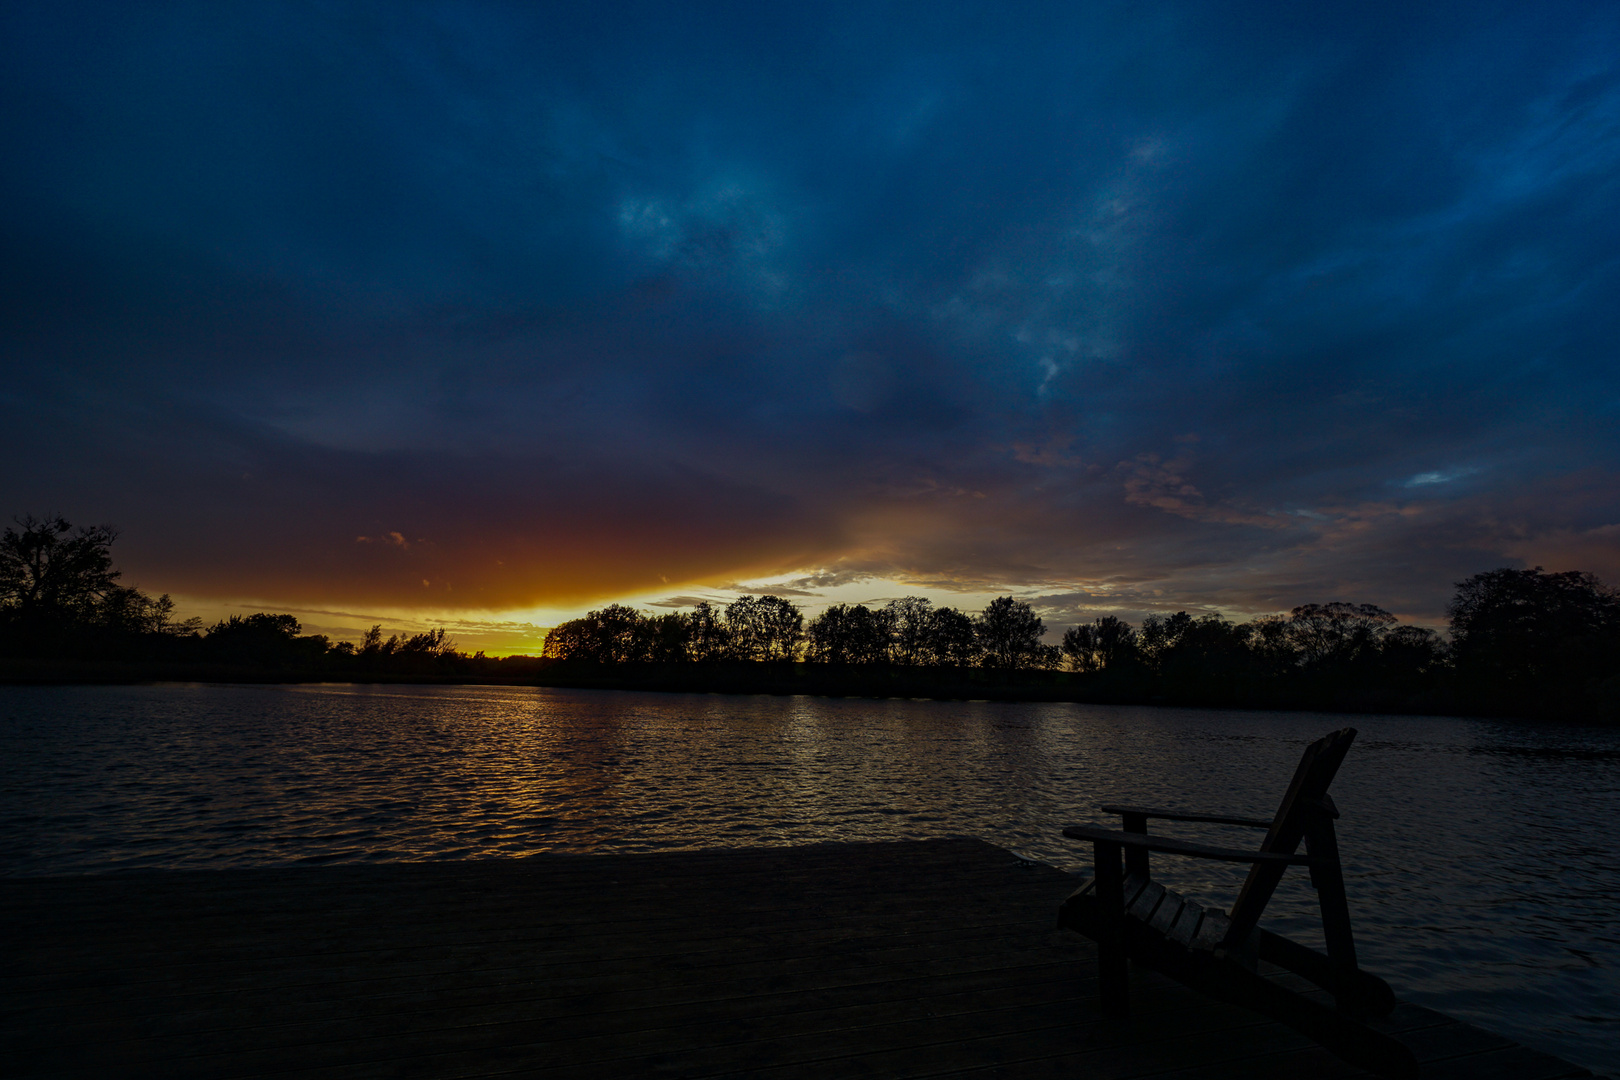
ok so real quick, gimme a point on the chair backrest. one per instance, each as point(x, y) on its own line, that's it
point(1317, 767)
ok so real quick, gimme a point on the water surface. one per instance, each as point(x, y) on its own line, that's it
point(1480, 855)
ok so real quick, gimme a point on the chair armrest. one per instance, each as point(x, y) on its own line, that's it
point(1177, 815)
point(1167, 846)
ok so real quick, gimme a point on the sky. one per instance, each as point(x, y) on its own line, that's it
point(483, 314)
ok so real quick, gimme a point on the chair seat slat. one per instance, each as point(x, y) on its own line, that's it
point(1186, 924)
point(1164, 916)
point(1147, 900)
point(1212, 931)
point(1134, 884)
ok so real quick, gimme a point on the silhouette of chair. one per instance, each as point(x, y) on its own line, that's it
point(1131, 916)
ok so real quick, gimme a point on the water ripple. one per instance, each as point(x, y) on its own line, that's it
point(1479, 855)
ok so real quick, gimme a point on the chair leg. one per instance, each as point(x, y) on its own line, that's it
point(1328, 877)
point(1112, 983)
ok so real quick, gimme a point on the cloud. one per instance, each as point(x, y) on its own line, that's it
point(686, 601)
point(1429, 479)
point(783, 591)
point(394, 538)
point(318, 310)
point(1149, 481)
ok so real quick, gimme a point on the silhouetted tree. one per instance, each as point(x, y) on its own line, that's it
point(52, 574)
point(1105, 642)
point(262, 627)
point(430, 645)
point(262, 639)
point(952, 639)
point(569, 640)
point(744, 630)
point(910, 619)
point(849, 634)
point(1337, 634)
point(1114, 641)
point(622, 633)
point(1009, 634)
point(706, 636)
point(59, 595)
point(667, 638)
point(1271, 646)
point(371, 642)
point(419, 654)
point(764, 628)
point(129, 611)
point(1208, 656)
point(1079, 646)
point(1409, 653)
point(782, 627)
point(1159, 635)
point(612, 635)
point(1518, 631)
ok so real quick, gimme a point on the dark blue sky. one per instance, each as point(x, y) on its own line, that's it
point(1129, 306)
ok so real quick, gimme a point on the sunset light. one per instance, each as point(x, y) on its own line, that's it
point(497, 339)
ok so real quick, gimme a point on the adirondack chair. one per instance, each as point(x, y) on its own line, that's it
point(1131, 916)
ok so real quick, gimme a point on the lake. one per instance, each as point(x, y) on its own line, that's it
point(1479, 854)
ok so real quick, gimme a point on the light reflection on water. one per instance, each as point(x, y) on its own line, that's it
point(1480, 855)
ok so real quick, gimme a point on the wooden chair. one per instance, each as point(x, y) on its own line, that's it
point(1130, 915)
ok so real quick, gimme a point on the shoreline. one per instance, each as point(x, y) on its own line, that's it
point(791, 679)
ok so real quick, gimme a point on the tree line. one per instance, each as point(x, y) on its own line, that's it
point(60, 599)
point(1521, 641)
point(909, 631)
point(1008, 636)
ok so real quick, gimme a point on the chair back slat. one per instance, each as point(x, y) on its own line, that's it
point(1317, 767)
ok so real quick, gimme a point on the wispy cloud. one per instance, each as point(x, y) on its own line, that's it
point(1223, 310)
point(1436, 477)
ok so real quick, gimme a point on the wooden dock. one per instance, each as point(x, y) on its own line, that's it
point(933, 958)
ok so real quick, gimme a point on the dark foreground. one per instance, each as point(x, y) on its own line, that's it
point(929, 958)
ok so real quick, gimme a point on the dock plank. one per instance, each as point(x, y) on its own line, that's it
point(921, 959)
